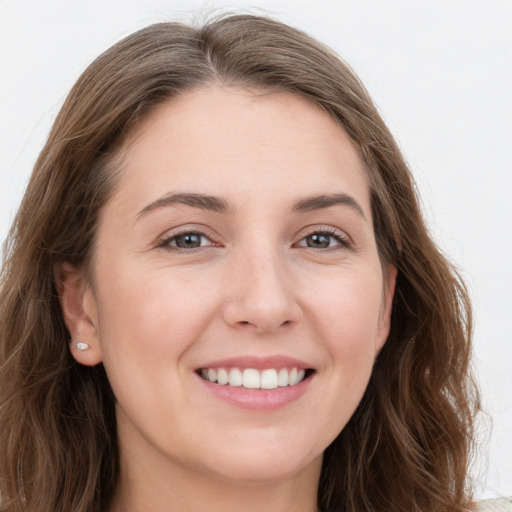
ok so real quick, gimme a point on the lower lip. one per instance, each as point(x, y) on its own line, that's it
point(258, 399)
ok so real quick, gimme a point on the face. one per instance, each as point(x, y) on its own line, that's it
point(238, 301)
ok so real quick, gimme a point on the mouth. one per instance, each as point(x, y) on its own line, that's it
point(253, 378)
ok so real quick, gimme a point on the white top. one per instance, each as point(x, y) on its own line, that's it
point(496, 505)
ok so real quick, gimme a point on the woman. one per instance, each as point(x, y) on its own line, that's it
point(219, 293)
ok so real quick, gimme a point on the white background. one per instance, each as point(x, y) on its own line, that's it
point(439, 70)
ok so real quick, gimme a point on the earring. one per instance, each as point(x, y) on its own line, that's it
point(82, 346)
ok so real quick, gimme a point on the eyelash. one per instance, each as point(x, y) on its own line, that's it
point(343, 242)
point(166, 243)
point(342, 239)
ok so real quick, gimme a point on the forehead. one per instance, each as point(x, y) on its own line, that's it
point(239, 141)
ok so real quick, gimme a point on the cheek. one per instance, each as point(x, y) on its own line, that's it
point(344, 313)
point(346, 318)
point(347, 311)
point(151, 315)
point(148, 324)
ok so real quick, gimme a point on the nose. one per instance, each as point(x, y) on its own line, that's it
point(261, 295)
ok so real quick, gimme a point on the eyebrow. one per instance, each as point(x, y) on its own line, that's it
point(220, 205)
point(201, 201)
point(318, 202)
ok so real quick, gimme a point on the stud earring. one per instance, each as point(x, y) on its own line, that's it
point(82, 346)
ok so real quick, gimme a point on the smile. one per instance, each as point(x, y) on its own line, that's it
point(252, 378)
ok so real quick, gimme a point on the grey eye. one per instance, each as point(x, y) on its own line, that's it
point(188, 240)
point(319, 240)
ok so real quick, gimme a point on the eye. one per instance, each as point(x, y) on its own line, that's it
point(186, 240)
point(324, 239)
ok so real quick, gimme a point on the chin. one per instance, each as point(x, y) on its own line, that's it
point(264, 457)
point(264, 469)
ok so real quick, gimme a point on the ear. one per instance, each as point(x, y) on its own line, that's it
point(79, 310)
point(386, 307)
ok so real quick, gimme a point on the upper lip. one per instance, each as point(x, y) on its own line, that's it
point(257, 362)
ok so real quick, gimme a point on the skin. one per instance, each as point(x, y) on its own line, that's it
point(154, 313)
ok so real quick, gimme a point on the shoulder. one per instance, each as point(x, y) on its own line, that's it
point(497, 505)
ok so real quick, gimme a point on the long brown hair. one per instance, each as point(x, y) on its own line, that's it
point(407, 446)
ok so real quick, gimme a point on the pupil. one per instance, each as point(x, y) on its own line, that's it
point(188, 241)
point(318, 240)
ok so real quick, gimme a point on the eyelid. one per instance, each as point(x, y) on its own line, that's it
point(345, 242)
point(195, 229)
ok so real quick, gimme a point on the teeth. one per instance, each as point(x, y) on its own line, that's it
point(269, 379)
point(251, 378)
point(222, 376)
point(235, 377)
point(282, 379)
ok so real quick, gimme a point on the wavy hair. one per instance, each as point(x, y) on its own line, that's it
point(408, 445)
